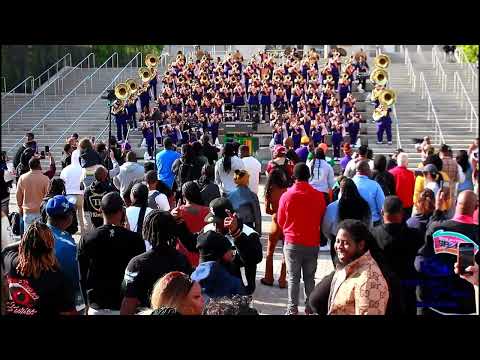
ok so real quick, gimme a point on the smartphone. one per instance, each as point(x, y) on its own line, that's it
point(465, 257)
point(93, 139)
point(42, 154)
point(47, 149)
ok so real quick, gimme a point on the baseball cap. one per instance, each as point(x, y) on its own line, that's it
point(430, 168)
point(305, 139)
point(59, 205)
point(279, 150)
point(212, 245)
point(217, 210)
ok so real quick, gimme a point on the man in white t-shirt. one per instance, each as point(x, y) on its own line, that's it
point(253, 166)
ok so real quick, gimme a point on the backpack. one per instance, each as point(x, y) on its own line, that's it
point(15, 220)
point(23, 167)
point(184, 174)
point(284, 168)
point(151, 200)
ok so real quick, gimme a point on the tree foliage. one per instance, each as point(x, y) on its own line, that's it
point(125, 52)
point(471, 52)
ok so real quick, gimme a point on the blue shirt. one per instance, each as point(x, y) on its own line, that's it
point(66, 253)
point(165, 159)
point(372, 193)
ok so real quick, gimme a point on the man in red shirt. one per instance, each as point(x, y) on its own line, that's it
point(300, 214)
point(404, 183)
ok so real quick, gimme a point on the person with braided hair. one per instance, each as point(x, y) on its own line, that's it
point(143, 271)
point(37, 285)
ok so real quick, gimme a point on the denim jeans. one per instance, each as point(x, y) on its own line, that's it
point(29, 218)
point(300, 259)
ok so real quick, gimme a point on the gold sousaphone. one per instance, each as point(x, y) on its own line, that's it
point(132, 86)
point(379, 76)
point(146, 74)
point(151, 60)
point(382, 61)
point(387, 97)
point(121, 91)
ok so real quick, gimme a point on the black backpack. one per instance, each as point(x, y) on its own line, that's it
point(23, 167)
point(283, 168)
point(15, 220)
point(184, 174)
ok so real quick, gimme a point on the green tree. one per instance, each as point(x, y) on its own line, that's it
point(125, 52)
point(471, 52)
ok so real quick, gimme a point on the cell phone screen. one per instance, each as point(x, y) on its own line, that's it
point(47, 148)
point(42, 154)
point(465, 256)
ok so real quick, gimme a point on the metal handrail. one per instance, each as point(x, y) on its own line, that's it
point(460, 91)
point(32, 100)
point(412, 78)
point(469, 71)
point(96, 98)
point(73, 91)
point(24, 83)
point(39, 77)
point(397, 128)
point(439, 71)
point(424, 91)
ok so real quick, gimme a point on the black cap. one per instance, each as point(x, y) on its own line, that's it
point(212, 245)
point(217, 210)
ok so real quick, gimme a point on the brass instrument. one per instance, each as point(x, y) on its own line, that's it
point(151, 60)
point(379, 112)
point(329, 78)
point(299, 78)
point(288, 77)
point(118, 106)
point(387, 97)
point(132, 86)
point(345, 76)
point(382, 61)
point(277, 78)
point(379, 76)
point(121, 91)
point(254, 77)
point(145, 74)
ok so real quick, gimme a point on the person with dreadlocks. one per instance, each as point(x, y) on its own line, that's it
point(37, 285)
point(143, 271)
point(56, 187)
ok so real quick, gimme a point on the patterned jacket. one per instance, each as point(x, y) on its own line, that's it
point(359, 289)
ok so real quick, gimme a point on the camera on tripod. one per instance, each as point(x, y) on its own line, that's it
point(109, 95)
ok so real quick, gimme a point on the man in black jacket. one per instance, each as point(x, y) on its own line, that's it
point(93, 197)
point(103, 256)
point(441, 291)
point(210, 152)
point(244, 240)
point(399, 245)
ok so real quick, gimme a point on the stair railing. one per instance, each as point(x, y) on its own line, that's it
point(43, 91)
point(67, 57)
point(412, 78)
point(469, 70)
point(431, 113)
point(439, 71)
point(28, 80)
point(72, 92)
point(462, 94)
point(109, 86)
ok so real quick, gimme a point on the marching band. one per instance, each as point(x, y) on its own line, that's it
point(296, 96)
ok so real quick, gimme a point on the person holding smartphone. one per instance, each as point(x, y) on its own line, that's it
point(470, 274)
point(440, 291)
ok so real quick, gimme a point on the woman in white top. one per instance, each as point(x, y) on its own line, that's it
point(225, 169)
point(71, 176)
point(139, 198)
point(322, 177)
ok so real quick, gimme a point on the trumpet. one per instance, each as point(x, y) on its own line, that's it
point(145, 74)
point(254, 77)
point(382, 61)
point(277, 78)
point(329, 78)
point(379, 76)
point(345, 76)
point(288, 77)
point(387, 97)
point(299, 78)
point(151, 61)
